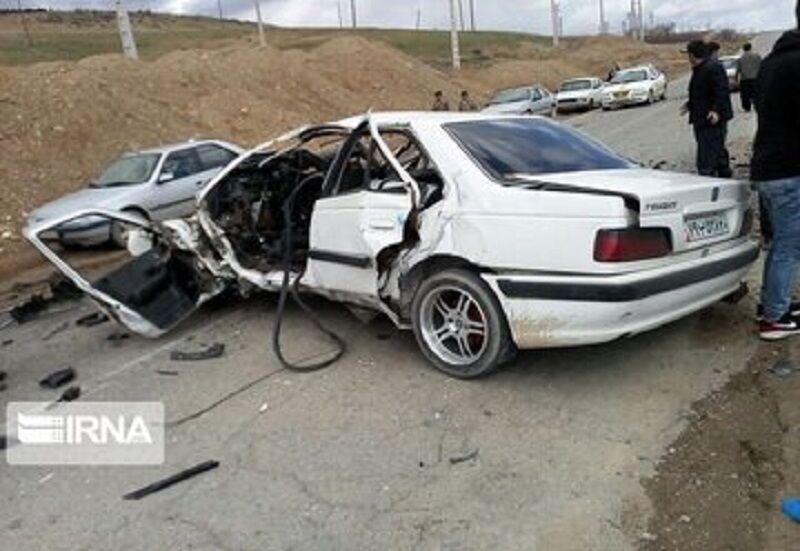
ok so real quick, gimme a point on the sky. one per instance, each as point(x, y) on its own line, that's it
point(579, 16)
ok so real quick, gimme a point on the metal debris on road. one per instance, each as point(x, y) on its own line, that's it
point(783, 368)
point(58, 378)
point(60, 328)
point(92, 320)
point(118, 337)
point(209, 352)
point(167, 372)
point(169, 481)
point(463, 458)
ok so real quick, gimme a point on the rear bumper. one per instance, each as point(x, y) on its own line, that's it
point(557, 311)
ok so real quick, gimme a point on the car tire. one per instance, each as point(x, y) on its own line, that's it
point(460, 326)
point(651, 98)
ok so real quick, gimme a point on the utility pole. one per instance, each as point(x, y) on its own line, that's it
point(219, 7)
point(472, 15)
point(603, 22)
point(353, 14)
point(261, 38)
point(419, 18)
point(125, 32)
point(339, 10)
point(24, 21)
point(641, 22)
point(461, 14)
point(554, 15)
point(454, 36)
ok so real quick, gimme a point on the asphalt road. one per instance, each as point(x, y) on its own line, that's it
point(359, 456)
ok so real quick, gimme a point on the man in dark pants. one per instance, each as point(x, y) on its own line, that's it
point(776, 170)
point(747, 68)
point(709, 109)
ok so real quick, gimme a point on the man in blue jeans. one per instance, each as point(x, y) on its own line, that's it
point(776, 169)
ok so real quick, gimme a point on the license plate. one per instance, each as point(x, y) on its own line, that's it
point(706, 227)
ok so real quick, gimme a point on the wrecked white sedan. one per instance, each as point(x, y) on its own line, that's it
point(483, 233)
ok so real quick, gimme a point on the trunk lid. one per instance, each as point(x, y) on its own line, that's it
point(698, 211)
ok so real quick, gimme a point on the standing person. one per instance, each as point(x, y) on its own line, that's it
point(613, 72)
point(709, 109)
point(714, 49)
point(439, 103)
point(747, 68)
point(776, 170)
point(466, 103)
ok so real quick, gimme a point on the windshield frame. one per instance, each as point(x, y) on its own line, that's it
point(158, 159)
point(507, 180)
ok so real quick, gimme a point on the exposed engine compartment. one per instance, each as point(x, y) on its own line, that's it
point(248, 204)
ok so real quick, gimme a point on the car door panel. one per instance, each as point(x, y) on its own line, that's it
point(349, 232)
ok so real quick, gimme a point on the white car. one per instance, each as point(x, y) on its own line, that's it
point(635, 86)
point(156, 184)
point(731, 65)
point(483, 234)
point(527, 100)
point(580, 94)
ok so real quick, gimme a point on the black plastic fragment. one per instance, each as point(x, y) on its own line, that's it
point(208, 353)
point(92, 320)
point(465, 457)
point(117, 337)
point(70, 395)
point(58, 378)
point(168, 372)
point(169, 481)
point(28, 310)
point(7, 342)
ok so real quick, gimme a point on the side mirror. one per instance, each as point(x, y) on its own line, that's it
point(165, 177)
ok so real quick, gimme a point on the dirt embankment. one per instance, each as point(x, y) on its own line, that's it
point(59, 122)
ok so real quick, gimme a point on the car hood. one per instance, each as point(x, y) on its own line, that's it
point(574, 94)
point(102, 198)
point(629, 87)
point(515, 107)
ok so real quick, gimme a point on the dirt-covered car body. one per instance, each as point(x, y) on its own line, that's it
point(482, 233)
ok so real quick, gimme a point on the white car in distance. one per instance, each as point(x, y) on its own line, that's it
point(580, 94)
point(635, 86)
point(484, 234)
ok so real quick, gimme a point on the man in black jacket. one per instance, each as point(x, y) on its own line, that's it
point(709, 110)
point(776, 169)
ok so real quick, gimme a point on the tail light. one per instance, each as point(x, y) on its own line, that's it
point(629, 244)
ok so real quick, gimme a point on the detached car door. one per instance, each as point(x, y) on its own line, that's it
point(364, 210)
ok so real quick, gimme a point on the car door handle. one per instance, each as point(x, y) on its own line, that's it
point(381, 224)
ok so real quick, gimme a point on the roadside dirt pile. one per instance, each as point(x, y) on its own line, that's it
point(61, 121)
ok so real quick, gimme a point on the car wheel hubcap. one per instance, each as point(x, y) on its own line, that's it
point(454, 326)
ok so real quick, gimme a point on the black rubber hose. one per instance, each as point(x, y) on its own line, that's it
point(287, 287)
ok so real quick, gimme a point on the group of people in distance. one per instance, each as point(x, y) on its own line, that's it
point(440, 103)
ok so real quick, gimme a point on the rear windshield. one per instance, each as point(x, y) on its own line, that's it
point(509, 148)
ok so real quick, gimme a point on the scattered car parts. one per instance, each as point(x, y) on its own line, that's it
point(209, 352)
point(58, 378)
point(171, 480)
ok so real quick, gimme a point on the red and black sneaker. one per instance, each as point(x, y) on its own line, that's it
point(794, 310)
point(785, 327)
